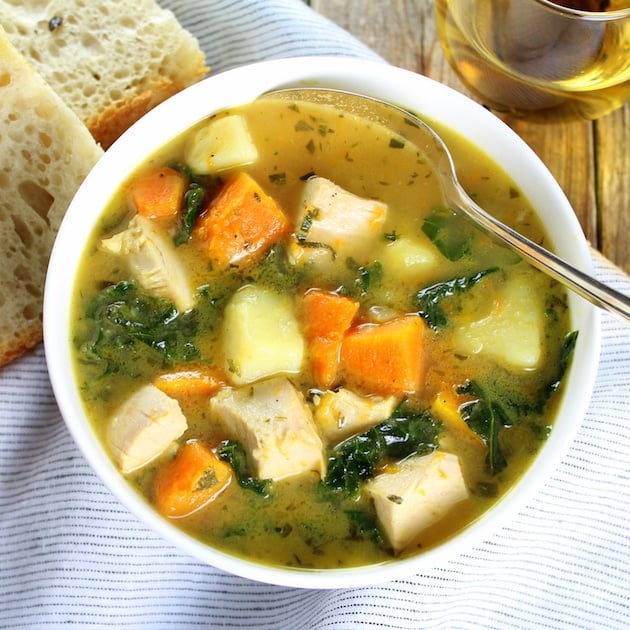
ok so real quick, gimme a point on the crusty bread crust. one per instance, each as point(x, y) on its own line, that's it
point(111, 122)
point(110, 61)
point(45, 153)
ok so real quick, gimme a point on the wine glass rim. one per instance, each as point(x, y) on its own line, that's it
point(594, 16)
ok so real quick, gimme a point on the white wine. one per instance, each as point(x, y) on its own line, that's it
point(530, 59)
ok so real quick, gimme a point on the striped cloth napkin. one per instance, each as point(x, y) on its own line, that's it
point(72, 556)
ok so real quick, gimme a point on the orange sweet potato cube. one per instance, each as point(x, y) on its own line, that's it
point(240, 224)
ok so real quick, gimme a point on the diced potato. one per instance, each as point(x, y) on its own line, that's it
point(409, 260)
point(343, 223)
point(343, 413)
point(153, 261)
point(274, 424)
point(222, 144)
point(511, 334)
point(416, 495)
point(261, 335)
point(143, 427)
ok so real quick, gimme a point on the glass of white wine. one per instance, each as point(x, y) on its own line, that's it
point(544, 60)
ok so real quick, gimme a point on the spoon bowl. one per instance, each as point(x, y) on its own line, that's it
point(428, 141)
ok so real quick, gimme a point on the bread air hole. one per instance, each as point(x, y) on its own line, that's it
point(22, 232)
point(37, 198)
point(31, 311)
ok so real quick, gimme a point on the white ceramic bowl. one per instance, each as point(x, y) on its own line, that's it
point(375, 79)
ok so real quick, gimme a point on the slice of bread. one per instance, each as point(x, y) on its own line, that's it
point(45, 153)
point(111, 61)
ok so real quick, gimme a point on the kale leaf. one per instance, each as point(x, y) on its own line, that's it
point(486, 417)
point(194, 200)
point(428, 300)
point(568, 346)
point(365, 278)
point(275, 271)
point(354, 461)
point(233, 453)
point(200, 187)
point(363, 524)
point(449, 232)
point(125, 321)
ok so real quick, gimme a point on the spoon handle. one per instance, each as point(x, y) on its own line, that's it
point(584, 285)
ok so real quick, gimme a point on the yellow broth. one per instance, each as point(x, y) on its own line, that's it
point(294, 526)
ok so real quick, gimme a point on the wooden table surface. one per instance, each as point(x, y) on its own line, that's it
point(590, 160)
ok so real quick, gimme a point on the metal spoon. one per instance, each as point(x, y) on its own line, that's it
point(432, 145)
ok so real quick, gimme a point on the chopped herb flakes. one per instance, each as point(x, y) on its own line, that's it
point(279, 179)
point(207, 480)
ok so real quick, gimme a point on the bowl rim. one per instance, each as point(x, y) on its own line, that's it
point(372, 78)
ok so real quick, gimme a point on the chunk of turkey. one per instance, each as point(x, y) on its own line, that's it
point(343, 413)
point(343, 224)
point(152, 260)
point(143, 427)
point(274, 425)
point(418, 493)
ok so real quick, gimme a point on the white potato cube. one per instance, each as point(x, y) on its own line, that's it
point(274, 424)
point(261, 335)
point(341, 414)
point(143, 427)
point(418, 494)
point(409, 260)
point(346, 225)
point(152, 259)
point(512, 333)
point(222, 144)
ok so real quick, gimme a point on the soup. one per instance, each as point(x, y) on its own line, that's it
point(298, 354)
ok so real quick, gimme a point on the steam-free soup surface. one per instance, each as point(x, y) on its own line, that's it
point(306, 354)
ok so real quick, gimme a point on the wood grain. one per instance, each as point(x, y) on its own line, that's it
point(590, 160)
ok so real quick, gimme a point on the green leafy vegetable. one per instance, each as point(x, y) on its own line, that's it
point(364, 524)
point(278, 178)
point(537, 401)
point(354, 461)
point(233, 453)
point(428, 300)
point(305, 226)
point(194, 199)
point(184, 169)
point(275, 271)
point(193, 205)
point(304, 229)
point(450, 233)
point(568, 346)
point(486, 417)
point(124, 318)
point(365, 278)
